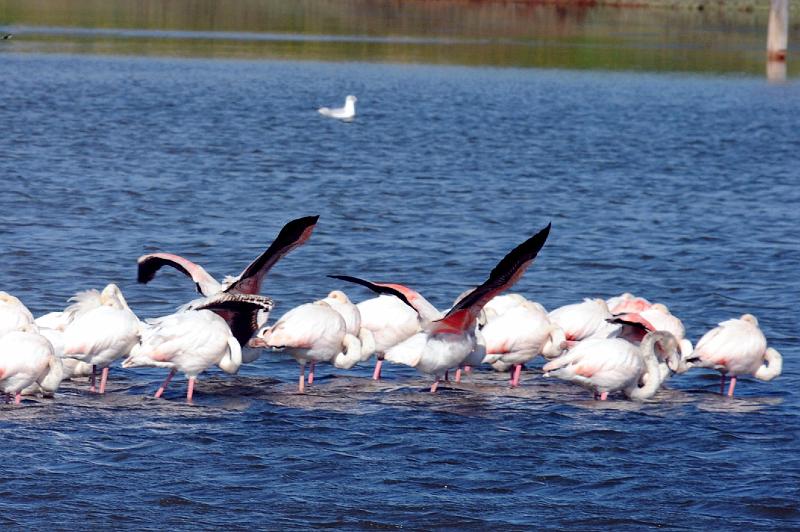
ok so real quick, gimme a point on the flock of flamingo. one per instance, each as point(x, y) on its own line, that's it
point(625, 344)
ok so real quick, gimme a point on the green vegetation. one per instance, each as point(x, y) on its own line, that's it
point(674, 36)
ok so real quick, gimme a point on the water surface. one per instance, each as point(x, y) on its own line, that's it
point(680, 188)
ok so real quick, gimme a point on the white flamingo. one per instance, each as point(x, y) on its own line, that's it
point(348, 112)
point(607, 365)
point(103, 334)
point(518, 335)
point(311, 333)
point(27, 358)
point(390, 321)
point(189, 342)
point(446, 342)
point(737, 347)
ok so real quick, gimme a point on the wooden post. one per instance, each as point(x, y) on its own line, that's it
point(778, 30)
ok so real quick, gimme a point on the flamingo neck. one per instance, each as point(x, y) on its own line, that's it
point(647, 351)
point(232, 360)
point(773, 366)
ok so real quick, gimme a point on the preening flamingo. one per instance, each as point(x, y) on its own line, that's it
point(607, 365)
point(737, 347)
point(103, 334)
point(311, 333)
point(518, 335)
point(27, 357)
point(189, 342)
point(445, 342)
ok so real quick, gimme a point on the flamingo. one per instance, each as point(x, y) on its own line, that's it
point(445, 342)
point(311, 333)
point(737, 347)
point(607, 365)
point(518, 335)
point(627, 302)
point(587, 319)
point(346, 113)
point(390, 321)
point(13, 313)
point(103, 334)
point(243, 288)
point(189, 342)
point(27, 357)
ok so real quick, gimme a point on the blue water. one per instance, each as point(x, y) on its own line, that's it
point(681, 189)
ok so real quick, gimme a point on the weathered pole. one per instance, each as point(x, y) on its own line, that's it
point(778, 30)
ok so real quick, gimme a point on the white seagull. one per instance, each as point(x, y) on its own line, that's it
point(348, 112)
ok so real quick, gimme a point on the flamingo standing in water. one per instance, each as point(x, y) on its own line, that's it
point(520, 334)
point(27, 357)
point(311, 333)
point(445, 342)
point(390, 321)
point(737, 347)
point(223, 298)
point(103, 334)
point(607, 365)
point(189, 342)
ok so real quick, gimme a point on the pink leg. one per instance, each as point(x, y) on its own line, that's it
point(376, 375)
point(160, 391)
point(92, 388)
point(435, 385)
point(190, 389)
point(103, 380)
point(18, 398)
point(311, 373)
point(604, 396)
point(722, 384)
point(515, 379)
point(301, 386)
point(732, 386)
point(458, 375)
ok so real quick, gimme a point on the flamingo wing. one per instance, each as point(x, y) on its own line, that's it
point(241, 314)
point(503, 276)
point(397, 290)
point(294, 234)
point(148, 265)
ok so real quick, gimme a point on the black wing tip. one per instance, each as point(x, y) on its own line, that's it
point(305, 220)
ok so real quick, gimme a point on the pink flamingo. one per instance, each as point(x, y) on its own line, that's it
point(190, 342)
point(445, 342)
point(607, 365)
point(737, 347)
